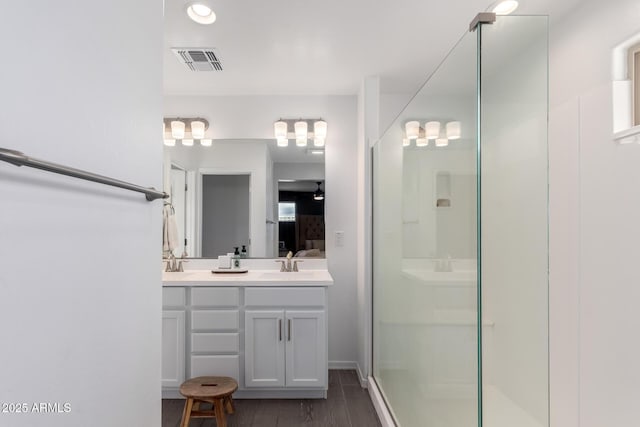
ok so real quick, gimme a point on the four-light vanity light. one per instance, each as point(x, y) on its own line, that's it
point(301, 132)
point(432, 130)
point(186, 130)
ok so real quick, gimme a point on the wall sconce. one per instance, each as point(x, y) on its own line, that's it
point(186, 130)
point(300, 132)
point(431, 130)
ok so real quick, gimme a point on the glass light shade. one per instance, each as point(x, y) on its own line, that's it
point(283, 142)
point(197, 129)
point(412, 129)
point(170, 142)
point(187, 142)
point(432, 130)
point(301, 130)
point(442, 142)
point(177, 129)
point(200, 12)
point(318, 142)
point(206, 142)
point(320, 129)
point(280, 130)
point(406, 142)
point(301, 142)
point(505, 7)
point(422, 142)
point(453, 130)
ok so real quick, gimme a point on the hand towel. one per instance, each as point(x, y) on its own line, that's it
point(169, 230)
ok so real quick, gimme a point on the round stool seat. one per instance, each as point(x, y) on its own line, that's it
point(208, 387)
point(215, 390)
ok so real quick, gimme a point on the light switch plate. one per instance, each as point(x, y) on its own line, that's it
point(339, 238)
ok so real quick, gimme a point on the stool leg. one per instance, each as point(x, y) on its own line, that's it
point(229, 403)
point(186, 414)
point(221, 420)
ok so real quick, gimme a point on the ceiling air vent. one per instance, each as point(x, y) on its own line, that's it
point(198, 59)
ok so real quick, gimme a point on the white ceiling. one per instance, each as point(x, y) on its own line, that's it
point(293, 47)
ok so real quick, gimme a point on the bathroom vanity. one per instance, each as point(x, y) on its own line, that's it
point(265, 328)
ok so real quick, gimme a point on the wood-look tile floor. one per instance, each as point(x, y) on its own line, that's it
point(347, 405)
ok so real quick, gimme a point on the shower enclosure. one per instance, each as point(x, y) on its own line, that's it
point(460, 263)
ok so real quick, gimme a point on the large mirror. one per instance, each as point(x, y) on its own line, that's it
point(249, 194)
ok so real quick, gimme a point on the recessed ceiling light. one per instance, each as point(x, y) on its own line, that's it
point(505, 7)
point(201, 12)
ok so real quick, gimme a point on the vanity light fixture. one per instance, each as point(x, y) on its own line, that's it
point(505, 7)
point(186, 130)
point(200, 11)
point(300, 132)
point(432, 130)
point(412, 129)
point(177, 129)
point(197, 129)
point(453, 130)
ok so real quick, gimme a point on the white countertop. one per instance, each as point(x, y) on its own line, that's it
point(250, 278)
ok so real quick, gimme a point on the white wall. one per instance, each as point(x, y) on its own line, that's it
point(80, 262)
point(249, 117)
point(594, 229)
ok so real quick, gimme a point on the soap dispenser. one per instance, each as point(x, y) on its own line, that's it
point(243, 253)
point(236, 258)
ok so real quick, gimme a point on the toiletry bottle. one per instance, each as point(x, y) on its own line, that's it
point(236, 258)
point(243, 253)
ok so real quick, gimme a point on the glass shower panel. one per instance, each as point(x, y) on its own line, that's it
point(425, 347)
point(513, 145)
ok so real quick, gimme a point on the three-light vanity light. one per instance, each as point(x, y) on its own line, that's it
point(186, 130)
point(301, 132)
point(432, 130)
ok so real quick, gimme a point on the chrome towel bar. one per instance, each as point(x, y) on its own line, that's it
point(19, 159)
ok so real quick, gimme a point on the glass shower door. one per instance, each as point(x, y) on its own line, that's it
point(460, 233)
point(425, 354)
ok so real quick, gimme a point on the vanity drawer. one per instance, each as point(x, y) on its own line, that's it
point(257, 297)
point(215, 297)
point(219, 366)
point(215, 342)
point(172, 297)
point(214, 319)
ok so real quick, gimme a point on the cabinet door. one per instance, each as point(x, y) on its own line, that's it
point(306, 352)
point(264, 348)
point(173, 349)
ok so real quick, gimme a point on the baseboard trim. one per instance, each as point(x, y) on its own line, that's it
point(364, 383)
point(340, 364)
point(345, 364)
point(378, 403)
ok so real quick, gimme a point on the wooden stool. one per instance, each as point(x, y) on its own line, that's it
point(215, 390)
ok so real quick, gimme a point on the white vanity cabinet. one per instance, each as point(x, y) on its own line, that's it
point(285, 338)
point(271, 338)
point(173, 337)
